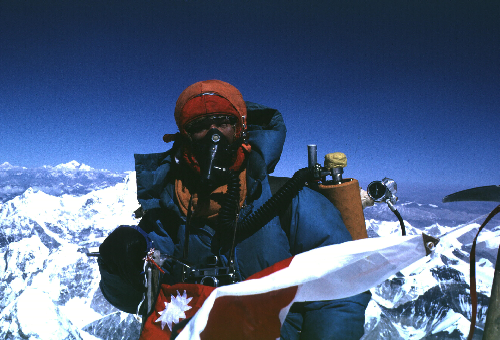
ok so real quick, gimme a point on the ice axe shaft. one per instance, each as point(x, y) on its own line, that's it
point(492, 325)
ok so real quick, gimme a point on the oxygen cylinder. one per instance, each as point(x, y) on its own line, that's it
point(345, 195)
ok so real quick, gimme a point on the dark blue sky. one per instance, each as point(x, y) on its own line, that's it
point(407, 89)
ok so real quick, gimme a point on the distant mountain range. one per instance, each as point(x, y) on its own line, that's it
point(70, 178)
point(49, 287)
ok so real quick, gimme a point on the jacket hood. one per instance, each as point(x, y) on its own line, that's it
point(266, 135)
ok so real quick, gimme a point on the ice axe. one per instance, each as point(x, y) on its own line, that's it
point(489, 193)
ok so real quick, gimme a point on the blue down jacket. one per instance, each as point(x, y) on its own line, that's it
point(315, 222)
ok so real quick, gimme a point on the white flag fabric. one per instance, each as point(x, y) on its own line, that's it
point(326, 273)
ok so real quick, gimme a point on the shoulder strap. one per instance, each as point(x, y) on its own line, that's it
point(286, 215)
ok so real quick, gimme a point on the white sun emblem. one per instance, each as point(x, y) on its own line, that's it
point(174, 311)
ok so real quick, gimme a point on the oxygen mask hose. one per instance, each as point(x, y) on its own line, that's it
point(229, 207)
point(398, 215)
point(273, 206)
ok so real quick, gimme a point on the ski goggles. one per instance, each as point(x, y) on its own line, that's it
point(204, 123)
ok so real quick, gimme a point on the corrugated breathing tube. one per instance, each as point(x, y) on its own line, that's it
point(271, 208)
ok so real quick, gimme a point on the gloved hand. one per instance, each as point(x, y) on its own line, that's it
point(122, 254)
point(366, 201)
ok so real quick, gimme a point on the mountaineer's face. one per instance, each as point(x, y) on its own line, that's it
point(225, 124)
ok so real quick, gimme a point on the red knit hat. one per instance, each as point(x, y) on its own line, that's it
point(208, 98)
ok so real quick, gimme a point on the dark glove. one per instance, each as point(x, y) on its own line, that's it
point(122, 254)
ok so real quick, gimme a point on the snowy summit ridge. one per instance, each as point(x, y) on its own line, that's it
point(74, 165)
point(7, 166)
point(71, 178)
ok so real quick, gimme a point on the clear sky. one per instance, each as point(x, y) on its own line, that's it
point(406, 89)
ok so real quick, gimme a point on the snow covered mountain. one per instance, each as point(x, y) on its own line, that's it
point(431, 299)
point(49, 287)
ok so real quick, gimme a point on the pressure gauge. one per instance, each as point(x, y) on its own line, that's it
point(383, 190)
point(377, 191)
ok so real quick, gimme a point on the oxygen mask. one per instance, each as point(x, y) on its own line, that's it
point(214, 155)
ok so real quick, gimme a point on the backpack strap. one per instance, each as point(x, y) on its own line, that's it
point(285, 215)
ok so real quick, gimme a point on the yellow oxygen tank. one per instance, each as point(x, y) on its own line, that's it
point(345, 195)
